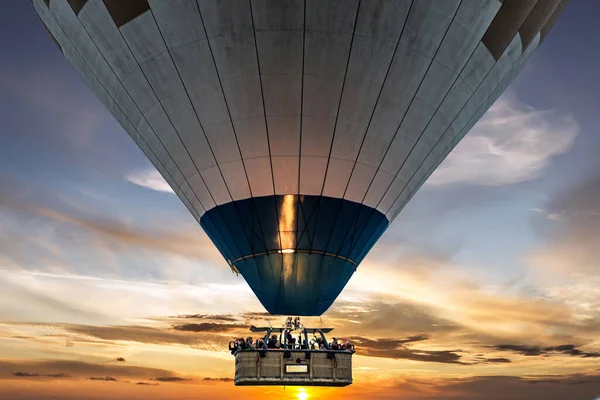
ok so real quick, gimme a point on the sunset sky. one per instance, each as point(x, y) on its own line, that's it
point(487, 286)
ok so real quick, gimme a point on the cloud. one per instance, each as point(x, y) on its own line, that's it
point(48, 305)
point(124, 235)
point(387, 316)
point(512, 143)
point(494, 387)
point(557, 387)
point(121, 359)
point(171, 379)
point(499, 360)
point(567, 349)
point(451, 303)
point(572, 247)
point(568, 261)
point(219, 379)
point(78, 369)
point(253, 314)
point(215, 317)
point(396, 349)
point(148, 334)
point(100, 378)
point(29, 374)
point(390, 343)
point(70, 222)
point(209, 327)
point(149, 178)
point(48, 297)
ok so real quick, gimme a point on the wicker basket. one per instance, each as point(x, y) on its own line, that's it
point(293, 368)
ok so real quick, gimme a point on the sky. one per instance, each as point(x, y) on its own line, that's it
point(487, 285)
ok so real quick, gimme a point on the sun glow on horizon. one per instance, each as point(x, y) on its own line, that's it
point(302, 395)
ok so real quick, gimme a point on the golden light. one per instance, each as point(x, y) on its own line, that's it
point(287, 223)
point(286, 251)
point(302, 395)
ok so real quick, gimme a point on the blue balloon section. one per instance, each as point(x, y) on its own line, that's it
point(296, 252)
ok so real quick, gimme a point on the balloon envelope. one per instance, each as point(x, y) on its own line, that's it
point(295, 131)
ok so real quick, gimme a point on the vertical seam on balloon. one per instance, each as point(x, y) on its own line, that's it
point(351, 45)
point(313, 213)
point(301, 124)
point(240, 216)
point(262, 95)
point(305, 230)
point(450, 124)
point(351, 226)
point(333, 138)
point(341, 95)
point(371, 119)
point(379, 96)
point(297, 233)
point(228, 110)
point(409, 108)
point(235, 205)
point(230, 119)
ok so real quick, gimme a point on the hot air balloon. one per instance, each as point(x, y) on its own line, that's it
point(295, 131)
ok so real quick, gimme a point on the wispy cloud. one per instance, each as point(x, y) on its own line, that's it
point(209, 327)
point(398, 349)
point(78, 369)
point(567, 349)
point(573, 249)
point(188, 242)
point(171, 379)
point(512, 143)
point(555, 387)
point(102, 378)
point(219, 379)
point(149, 178)
point(35, 374)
